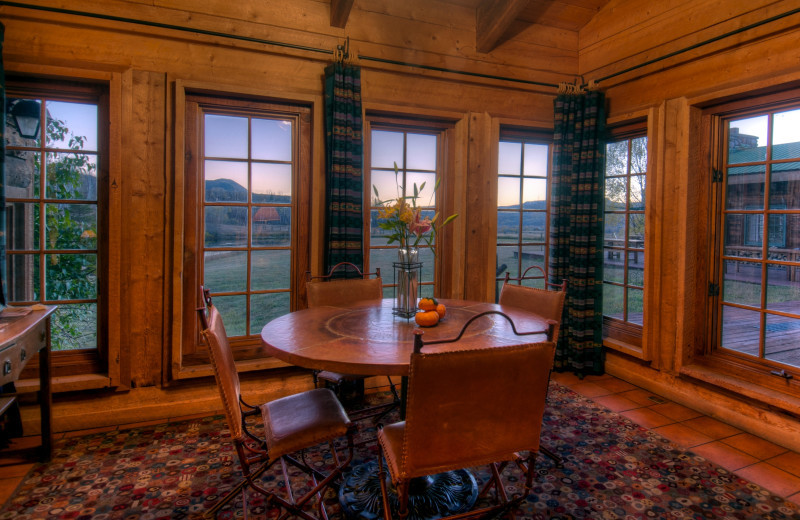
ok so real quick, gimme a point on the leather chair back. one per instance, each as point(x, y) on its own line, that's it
point(224, 370)
point(472, 407)
point(547, 304)
point(337, 292)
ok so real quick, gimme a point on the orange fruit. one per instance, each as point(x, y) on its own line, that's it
point(440, 310)
point(426, 318)
point(427, 304)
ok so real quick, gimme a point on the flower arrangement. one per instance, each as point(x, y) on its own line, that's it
point(402, 217)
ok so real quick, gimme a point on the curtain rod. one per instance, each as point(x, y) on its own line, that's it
point(393, 62)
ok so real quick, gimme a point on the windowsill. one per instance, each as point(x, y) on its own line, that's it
point(624, 348)
point(66, 383)
point(769, 396)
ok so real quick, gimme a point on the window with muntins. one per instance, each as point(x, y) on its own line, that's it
point(623, 236)
point(56, 213)
point(523, 202)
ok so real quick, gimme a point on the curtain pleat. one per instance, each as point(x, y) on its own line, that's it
point(2, 173)
point(344, 166)
point(576, 229)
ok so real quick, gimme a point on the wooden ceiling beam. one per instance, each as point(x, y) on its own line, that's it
point(340, 11)
point(492, 20)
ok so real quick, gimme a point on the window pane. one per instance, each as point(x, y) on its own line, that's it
point(614, 229)
point(743, 286)
point(508, 256)
point(74, 327)
point(273, 229)
point(613, 269)
point(225, 271)
point(71, 226)
point(71, 176)
point(636, 268)
point(270, 269)
point(22, 226)
point(747, 139)
point(614, 301)
point(428, 263)
point(784, 186)
point(266, 307)
point(225, 181)
point(425, 183)
point(23, 278)
point(421, 153)
point(508, 227)
point(508, 192)
point(536, 159)
point(637, 192)
point(534, 194)
point(272, 183)
point(509, 158)
point(616, 193)
point(782, 340)
point(271, 139)
point(534, 228)
point(386, 183)
point(740, 330)
point(636, 230)
point(233, 310)
point(635, 306)
point(225, 136)
point(639, 155)
point(387, 149)
point(377, 236)
point(225, 226)
point(71, 125)
point(745, 188)
point(783, 289)
point(743, 235)
point(617, 158)
point(383, 259)
point(31, 109)
point(22, 173)
point(785, 132)
point(533, 255)
point(70, 277)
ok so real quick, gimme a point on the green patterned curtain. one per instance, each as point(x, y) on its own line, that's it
point(344, 166)
point(2, 173)
point(576, 229)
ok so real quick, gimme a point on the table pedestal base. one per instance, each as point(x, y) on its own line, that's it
point(429, 497)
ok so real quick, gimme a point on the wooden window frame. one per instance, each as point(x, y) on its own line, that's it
point(89, 361)
point(619, 334)
point(523, 135)
point(443, 129)
point(189, 354)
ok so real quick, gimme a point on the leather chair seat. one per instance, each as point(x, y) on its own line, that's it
point(338, 378)
point(301, 420)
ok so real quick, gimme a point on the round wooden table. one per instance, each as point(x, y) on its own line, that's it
point(366, 338)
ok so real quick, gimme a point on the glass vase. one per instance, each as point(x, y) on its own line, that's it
point(407, 271)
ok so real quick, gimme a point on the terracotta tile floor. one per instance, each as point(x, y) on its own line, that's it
point(762, 462)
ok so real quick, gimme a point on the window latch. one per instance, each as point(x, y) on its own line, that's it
point(782, 373)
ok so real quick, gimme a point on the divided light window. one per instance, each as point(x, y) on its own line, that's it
point(623, 238)
point(523, 202)
point(758, 308)
point(55, 212)
point(245, 212)
point(417, 154)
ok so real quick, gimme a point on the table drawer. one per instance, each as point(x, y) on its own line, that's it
point(14, 356)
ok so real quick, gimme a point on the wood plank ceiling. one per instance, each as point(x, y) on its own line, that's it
point(494, 18)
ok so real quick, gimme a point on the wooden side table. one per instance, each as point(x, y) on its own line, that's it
point(20, 338)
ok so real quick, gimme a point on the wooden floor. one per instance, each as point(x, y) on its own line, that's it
point(757, 460)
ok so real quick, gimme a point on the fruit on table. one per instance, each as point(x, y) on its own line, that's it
point(427, 304)
point(426, 318)
point(441, 310)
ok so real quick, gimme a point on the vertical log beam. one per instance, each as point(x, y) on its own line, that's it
point(492, 20)
point(340, 11)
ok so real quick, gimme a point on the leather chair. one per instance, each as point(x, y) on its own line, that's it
point(328, 290)
point(453, 421)
point(290, 424)
point(547, 301)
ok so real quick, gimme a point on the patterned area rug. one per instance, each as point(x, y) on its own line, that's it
point(613, 469)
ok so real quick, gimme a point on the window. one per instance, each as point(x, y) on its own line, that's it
point(623, 237)
point(757, 312)
point(417, 150)
point(523, 202)
point(56, 209)
point(246, 215)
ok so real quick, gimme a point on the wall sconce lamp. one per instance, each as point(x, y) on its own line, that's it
point(27, 115)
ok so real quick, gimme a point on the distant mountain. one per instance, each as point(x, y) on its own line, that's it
point(227, 190)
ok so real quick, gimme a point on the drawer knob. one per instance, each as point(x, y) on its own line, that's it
point(7, 367)
point(23, 354)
